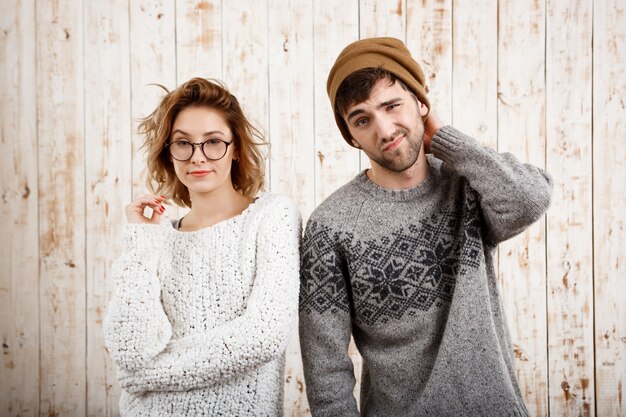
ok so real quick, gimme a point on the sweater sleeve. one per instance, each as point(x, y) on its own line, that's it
point(253, 339)
point(513, 195)
point(325, 325)
point(136, 327)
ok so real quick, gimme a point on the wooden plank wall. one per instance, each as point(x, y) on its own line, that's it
point(543, 79)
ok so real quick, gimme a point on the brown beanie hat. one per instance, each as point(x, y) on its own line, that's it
point(388, 53)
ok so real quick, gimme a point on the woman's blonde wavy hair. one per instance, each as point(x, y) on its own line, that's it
point(247, 174)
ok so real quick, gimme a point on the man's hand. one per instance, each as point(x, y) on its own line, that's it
point(432, 124)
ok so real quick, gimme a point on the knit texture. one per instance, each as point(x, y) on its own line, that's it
point(199, 321)
point(388, 53)
point(410, 274)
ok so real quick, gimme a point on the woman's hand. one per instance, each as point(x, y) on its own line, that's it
point(134, 211)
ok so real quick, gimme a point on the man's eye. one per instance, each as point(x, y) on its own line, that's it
point(393, 106)
point(360, 122)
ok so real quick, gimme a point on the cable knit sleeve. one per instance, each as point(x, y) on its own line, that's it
point(513, 195)
point(251, 340)
point(136, 328)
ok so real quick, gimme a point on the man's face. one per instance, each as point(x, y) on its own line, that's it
point(388, 126)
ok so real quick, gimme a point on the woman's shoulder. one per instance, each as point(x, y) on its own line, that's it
point(277, 209)
point(270, 202)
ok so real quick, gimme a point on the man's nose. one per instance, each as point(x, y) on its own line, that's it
point(385, 128)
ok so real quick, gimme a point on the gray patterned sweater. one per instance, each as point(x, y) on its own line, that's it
point(410, 274)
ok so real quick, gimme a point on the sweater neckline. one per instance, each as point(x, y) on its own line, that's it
point(223, 223)
point(399, 195)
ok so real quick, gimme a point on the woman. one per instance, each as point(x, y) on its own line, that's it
point(204, 306)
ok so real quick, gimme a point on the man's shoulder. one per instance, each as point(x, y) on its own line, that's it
point(337, 206)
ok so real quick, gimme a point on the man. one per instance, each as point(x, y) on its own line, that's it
point(401, 257)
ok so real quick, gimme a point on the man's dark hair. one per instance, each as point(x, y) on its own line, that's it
point(357, 87)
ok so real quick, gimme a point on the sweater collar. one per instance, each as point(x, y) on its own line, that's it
point(409, 194)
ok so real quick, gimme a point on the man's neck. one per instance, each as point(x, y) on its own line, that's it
point(409, 178)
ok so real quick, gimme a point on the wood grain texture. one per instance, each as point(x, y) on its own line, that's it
point(429, 38)
point(108, 155)
point(521, 131)
point(19, 249)
point(291, 135)
point(382, 18)
point(474, 73)
point(245, 64)
point(336, 162)
point(569, 221)
point(198, 39)
point(152, 61)
point(609, 200)
point(61, 167)
point(291, 127)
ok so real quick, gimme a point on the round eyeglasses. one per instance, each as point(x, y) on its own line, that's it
point(213, 149)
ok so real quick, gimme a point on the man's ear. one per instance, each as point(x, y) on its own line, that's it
point(423, 108)
point(355, 143)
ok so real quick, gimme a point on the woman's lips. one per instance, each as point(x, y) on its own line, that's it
point(199, 173)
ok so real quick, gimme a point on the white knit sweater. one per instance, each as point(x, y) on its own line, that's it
point(199, 321)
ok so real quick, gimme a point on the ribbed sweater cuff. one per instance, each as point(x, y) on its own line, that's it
point(452, 146)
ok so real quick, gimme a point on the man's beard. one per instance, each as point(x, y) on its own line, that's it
point(397, 161)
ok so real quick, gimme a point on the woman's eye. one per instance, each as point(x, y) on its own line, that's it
point(182, 144)
point(213, 141)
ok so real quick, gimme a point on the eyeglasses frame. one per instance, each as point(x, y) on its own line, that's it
point(200, 145)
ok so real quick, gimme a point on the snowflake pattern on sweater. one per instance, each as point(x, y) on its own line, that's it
point(412, 269)
point(199, 321)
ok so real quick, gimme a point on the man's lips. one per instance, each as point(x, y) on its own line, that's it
point(394, 144)
point(199, 173)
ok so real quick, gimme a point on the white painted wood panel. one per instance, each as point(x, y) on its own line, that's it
point(152, 61)
point(335, 26)
point(291, 134)
point(108, 156)
point(61, 175)
point(522, 131)
point(245, 46)
point(569, 221)
point(429, 38)
point(19, 247)
point(609, 202)
point(474, 70)
point(198, 39)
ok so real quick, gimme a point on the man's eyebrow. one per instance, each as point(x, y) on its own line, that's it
point(389, 102)
point(354, 113)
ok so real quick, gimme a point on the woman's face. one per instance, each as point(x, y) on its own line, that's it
point(209, 167)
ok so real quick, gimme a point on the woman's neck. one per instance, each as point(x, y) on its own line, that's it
point(208, 209)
